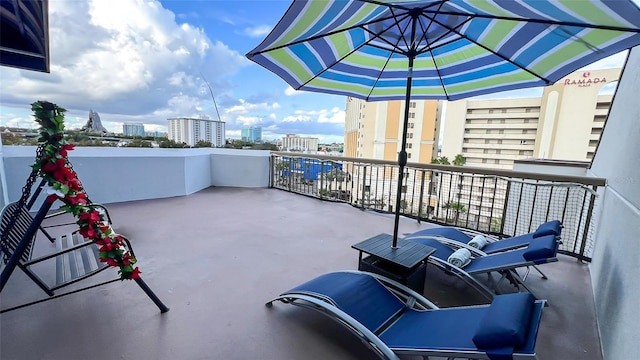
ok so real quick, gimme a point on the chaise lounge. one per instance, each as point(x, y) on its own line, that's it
point(394, 320)
point(455, 236)
point(539, 251)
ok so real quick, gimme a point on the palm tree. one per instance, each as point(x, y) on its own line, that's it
point(459, 160)
point(458, 208)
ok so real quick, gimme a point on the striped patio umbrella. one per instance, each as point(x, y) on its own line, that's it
point(441, 49)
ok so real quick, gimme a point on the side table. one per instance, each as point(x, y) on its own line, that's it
point(404, 264)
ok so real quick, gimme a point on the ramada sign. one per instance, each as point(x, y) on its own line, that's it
point(585, 81)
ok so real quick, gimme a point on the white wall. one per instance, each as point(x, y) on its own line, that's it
point(126, 174)
point(615, 267)
point(240, 168)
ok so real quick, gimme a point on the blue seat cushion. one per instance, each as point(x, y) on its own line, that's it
point(549, 228)
point(506, 322)
point(541, 248)
point(447, 232)
point(360, 295)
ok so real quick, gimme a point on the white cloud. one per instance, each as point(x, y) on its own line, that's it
point(289, 91)
point(612, 61)
point(334, 116)
point(297, 118)
point(248, 120)
point(233, 133)
point(245, 107)
point(127, 57)
point(257, 31)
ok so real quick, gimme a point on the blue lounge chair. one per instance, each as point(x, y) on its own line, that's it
point(540, 251)
point(394, 320)
point(494, 245)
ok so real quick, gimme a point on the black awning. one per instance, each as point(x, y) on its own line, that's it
point(24, 34)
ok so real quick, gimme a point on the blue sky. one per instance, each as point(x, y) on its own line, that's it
point(145, 60)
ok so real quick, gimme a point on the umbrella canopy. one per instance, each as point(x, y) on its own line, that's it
point(441, 49)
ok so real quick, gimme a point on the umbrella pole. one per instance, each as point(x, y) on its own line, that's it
point(402, 155)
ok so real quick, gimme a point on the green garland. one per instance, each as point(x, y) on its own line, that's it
point(63, 185)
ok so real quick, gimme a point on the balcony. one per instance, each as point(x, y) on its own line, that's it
point(216, 256)
point(215, 243)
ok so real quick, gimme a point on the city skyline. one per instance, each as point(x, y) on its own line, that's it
point(167, 52)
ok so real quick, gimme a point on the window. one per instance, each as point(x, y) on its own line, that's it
point(404, 189)
point(409, 156)
point(409, 146)
point(367, 188)
point(410, 135)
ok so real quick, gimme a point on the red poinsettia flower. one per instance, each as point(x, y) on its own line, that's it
point(74, 184)
point(65, 148)
point(127, 259)
point(118, 239)
point(90, 217)
point(49, 167)
point(79, 198)
point(104, 228)
point(107, 247)
point(88, 233)
point(135, 274)
point(110, 262)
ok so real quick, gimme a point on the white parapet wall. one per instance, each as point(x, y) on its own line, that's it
point(240, 168)
point(126, 174)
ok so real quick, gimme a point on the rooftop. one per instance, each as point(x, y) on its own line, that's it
point(216, 256)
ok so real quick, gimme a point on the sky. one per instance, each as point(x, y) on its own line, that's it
point(146, 61)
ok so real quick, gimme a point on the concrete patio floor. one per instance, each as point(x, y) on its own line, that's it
point(215, 257)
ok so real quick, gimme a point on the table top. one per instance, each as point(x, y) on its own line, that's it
point(408, 254)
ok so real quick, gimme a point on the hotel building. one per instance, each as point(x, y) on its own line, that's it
point(133, 129)
point(292, 142)
point(373, 129)
point(192, 130)
point(251, 134)
point(564, 124)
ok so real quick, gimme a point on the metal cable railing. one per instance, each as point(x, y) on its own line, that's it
point(500, 202)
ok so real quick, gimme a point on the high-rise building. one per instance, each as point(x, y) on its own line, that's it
point(373, 130)
point(251, 134)
point(292, 142)
point(192, 130)
point(133, 129)
point(564, 124)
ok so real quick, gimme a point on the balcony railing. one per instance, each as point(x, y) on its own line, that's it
point(501, 202)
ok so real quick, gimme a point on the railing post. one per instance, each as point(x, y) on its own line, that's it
point(587, 223)
point(321, 189)
point(364, 184)
point(272, 170)
point(421, 195)
point(504, 206)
